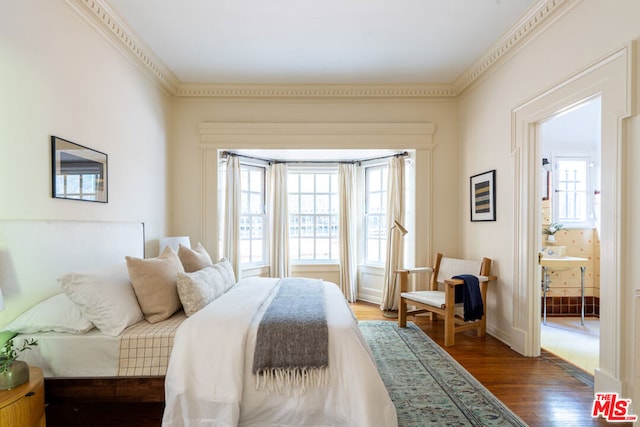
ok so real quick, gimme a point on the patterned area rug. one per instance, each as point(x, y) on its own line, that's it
point(427, 386)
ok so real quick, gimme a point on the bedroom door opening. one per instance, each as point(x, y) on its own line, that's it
point(570, 159)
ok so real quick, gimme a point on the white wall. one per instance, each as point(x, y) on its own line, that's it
point(590, 32)
point(61, 77)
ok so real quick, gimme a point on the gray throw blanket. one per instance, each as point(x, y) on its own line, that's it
point(292, 343)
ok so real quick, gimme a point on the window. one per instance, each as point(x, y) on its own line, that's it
point(376, 214)
point(313, 215)
point(572, 203)
point(253, 216)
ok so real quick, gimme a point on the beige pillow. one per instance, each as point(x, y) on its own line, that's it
point(154, 282)
point(199, 288)
point(194, 259)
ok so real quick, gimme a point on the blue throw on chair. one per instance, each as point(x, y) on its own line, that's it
point(470, 297)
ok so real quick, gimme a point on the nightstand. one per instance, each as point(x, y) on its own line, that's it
point(23, 406)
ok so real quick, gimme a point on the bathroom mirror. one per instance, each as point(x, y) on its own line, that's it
point(79, 173)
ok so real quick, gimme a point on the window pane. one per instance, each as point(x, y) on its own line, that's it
point(245, 227)
point(255, 183)
point(322, 203)
point(306, 183)
point(307, 248)
point(335, 205)
point(245, 251)
point(256, 250)
point(292, 182)
point(307, 203)
point(256, 228)
point(334, 183)
point(373, 180)
point(306, 225)
point(244, 202)
point(323, 226)
point(256, 205)
point(322, 183)
point(373, 253)
point(294, 201)
point(322, 249)
point(294, 227)
point(375, 204)
point(294, 248)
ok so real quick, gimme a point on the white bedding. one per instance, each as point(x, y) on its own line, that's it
point(59, 354)
point(209, 380)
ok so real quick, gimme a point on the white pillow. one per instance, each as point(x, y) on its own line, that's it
point(199, 288)
point(226, 270)
point(105, 296)
point(56, 314)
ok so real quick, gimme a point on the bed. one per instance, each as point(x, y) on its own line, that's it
point(197, 356)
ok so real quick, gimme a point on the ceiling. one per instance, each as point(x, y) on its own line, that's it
point(319, 42)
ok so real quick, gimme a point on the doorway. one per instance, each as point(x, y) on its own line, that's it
point(570, 148)
point(609, 77)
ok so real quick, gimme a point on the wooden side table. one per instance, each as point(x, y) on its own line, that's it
point(23, 406)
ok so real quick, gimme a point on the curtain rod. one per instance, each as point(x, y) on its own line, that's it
point(274, 161)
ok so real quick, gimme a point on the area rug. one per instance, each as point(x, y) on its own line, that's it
point(427, 386)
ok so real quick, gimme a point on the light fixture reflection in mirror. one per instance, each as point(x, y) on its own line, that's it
point(79, 172)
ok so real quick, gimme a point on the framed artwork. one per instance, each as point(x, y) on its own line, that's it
point(483, 196)
point(78, 172)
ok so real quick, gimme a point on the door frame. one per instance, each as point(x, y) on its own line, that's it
point(611, 78)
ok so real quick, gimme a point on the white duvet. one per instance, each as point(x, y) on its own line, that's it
point(209, 380)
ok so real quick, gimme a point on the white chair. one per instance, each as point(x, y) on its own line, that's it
point(439, 300)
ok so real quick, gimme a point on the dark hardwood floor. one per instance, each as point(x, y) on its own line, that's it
point(543, 391)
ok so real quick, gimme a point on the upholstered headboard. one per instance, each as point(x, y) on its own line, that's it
point(34, 253)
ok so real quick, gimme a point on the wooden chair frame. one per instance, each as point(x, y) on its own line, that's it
point(452, 324)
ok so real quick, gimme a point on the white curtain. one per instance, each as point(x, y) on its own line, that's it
point(231, 244)
point(395, 212)
point(278, 214)
point(348, 230)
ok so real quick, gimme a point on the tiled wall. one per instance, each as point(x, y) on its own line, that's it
point(563, 297)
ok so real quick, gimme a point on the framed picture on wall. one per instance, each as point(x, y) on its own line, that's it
point(483, 196)
point(78, 172)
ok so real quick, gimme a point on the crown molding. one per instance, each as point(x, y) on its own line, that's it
point(538, 17)
point(316, 91)
point(105, 20)
point(253, 128)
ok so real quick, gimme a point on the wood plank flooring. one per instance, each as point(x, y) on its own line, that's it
point(542, 391)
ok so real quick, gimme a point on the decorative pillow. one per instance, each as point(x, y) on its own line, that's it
point(105, 297)
point(56, 314)
point(154, 283)
point(194, 259)
point(226, 270)
point(199, 288)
